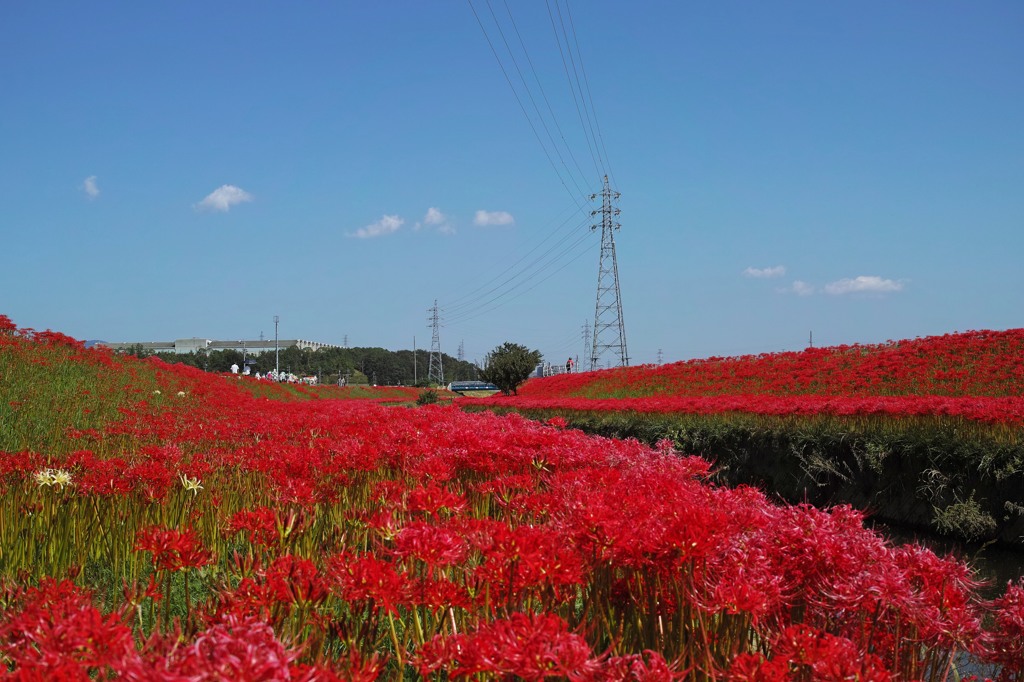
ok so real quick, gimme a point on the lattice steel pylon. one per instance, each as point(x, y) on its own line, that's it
point(435, 372)
point(609, 325)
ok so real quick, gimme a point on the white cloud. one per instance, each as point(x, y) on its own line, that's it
point(435, 218)
point(865, 284)
point(90, 187)
point(386, 225)
point(764, 273)
point(800, 288)
point(223, 198)
point(489, 218)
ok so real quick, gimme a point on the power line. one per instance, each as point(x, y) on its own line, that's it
point(461, 301)
point(540, 86)
point(519, 100)
point(529, 92)
point(590, 96)
point(526, 291)
point(539, 264)
point(572, 87)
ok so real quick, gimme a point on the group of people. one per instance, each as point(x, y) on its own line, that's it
point(274, 375)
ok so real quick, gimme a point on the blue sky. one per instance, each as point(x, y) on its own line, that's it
point(185, 169)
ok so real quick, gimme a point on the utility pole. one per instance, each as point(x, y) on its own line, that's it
point(810, 341)
point(435, 372)
point(277, 356)
point(609, 326)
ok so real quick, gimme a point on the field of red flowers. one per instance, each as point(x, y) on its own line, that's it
point(976, 376)
point(160, 523)
point(978, 364)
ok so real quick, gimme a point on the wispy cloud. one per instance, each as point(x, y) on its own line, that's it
point(490, 218)
point(90, 187)
point(800, 288)
point(765, 273)
point(386, 225)
point(436, 219)
point(223, 198)
point(864, 284)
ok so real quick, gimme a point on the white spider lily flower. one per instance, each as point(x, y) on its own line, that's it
point(191, 484)
point(53, 477)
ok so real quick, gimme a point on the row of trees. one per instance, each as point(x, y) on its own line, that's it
point(507, 366)
point(359, 365)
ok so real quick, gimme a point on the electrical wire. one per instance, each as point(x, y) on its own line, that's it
point(471, 312)
point(519, 100)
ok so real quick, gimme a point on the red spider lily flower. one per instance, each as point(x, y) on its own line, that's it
point(433, 499)
point(648, 667)
point(754, 668)
point(252, 598)
point(1007, 646)
point(437, 594)
point(433, 545)
point(152, 480)
point(366, 579)
point(53, 632)
point(260, 526)
point(524, 557)
point(172, 550)
point(105, 478)
point(390, 493)
point(353, 668)
point(532, 647)
point(384, 523)
point(236, 649)
point(294, 579)
point(948, 612)
point(827, 657)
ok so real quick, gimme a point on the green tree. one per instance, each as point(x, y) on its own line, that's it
point(509, 365)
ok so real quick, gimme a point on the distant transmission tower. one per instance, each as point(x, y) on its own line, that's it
point(586, 344)
point(609, 326)
point(661, 357)
point(462, 351)
point(435, 372)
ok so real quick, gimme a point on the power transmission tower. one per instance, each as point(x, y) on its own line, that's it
point(435, 372)
point(462, 351)
point(660, 356)
point(586, 345)
point(609, 326)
